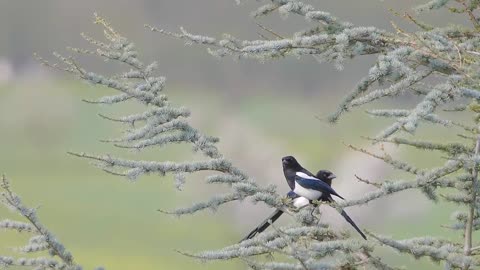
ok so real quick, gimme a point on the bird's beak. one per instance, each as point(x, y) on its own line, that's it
point(284, 162)
point(332, 176)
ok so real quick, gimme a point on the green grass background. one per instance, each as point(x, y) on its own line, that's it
point(108, 221)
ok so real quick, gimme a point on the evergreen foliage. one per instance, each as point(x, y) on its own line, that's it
point(437, 64)
point(42, 242)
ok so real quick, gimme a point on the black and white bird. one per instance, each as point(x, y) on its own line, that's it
point(299, 201)
point(310, 191)
point(313, 187)
point(305, 184)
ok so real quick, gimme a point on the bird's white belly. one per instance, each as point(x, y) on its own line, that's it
point(300, 202)
point(310, 194)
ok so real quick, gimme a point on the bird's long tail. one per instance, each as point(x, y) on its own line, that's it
point(264, 225)
point(349, 220)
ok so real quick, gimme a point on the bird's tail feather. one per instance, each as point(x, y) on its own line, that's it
point(264, 225)
point(349, 220)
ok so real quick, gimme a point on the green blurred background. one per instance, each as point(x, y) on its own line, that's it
point(253, 107)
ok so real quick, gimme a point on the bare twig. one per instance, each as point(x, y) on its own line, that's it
point(377, 185)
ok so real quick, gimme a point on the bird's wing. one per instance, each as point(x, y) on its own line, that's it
point(310, 182)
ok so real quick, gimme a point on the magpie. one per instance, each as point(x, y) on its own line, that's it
point(304, 183)
point(322, 191)
point(299, 201)
point(313, 187)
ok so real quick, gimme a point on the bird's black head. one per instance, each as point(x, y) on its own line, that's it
point(326, 176)
point(290, 168)
point(290, 162)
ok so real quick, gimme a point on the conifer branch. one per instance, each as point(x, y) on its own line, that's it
point(42, 239)
point(422, 180)
point(161, 124)
point(452, 149)
point(439, 65)
point(436, 249)
point(397, 164)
